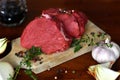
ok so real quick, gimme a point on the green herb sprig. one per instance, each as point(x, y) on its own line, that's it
point(26, 61)
point(88, 39)
point(109, 45)
point(75, 43)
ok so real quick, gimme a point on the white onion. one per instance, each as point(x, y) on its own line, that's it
point(3, 45)
point(100, 72)
point(6, 70)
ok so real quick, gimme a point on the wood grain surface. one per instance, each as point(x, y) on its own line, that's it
point(104, 13)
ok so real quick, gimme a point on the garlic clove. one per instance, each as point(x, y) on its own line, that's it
point(3, 45)
point(116, 49)
point(100, 72)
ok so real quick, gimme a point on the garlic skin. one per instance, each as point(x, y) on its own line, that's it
point(106, 52)
point(107, 65)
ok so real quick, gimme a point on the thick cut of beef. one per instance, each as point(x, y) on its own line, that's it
point(54, 30)
point(44, 33)
point(73, 21)
point(81, 19)
point(70, 24)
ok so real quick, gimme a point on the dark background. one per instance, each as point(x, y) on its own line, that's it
point(104, 13)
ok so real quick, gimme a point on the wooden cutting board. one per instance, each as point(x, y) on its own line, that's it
point(53, 60)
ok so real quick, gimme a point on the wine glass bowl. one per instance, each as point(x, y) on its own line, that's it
point(12, 12)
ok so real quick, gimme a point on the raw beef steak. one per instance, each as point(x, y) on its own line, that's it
point(44, 33)
point(54, 30)
point(73, 21)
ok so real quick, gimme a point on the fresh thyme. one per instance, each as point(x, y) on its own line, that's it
point(88, 39)
point(26, 61)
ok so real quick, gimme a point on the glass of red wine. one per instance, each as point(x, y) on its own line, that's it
point(12, 12)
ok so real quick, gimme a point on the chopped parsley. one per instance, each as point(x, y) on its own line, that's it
point(26, 61)
point(89, 39)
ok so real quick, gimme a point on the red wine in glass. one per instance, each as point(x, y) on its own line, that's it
point(12, 13)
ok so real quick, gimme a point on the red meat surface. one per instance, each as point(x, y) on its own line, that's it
point(70, 24)
point(51, 11)
point(54, 30)
point(73, 21)
point(82, 20)
point(45, 34)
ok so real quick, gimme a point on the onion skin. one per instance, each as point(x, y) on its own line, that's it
point(3, 45)
point(101, 72)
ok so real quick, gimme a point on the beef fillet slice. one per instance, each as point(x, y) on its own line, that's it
point(44, 33)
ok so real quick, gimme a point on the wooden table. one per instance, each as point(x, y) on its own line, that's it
point(104, 13)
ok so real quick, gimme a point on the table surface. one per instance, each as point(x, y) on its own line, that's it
point(104, 13)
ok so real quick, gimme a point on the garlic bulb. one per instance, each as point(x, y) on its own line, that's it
point(106, 51)
point(3, 45)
